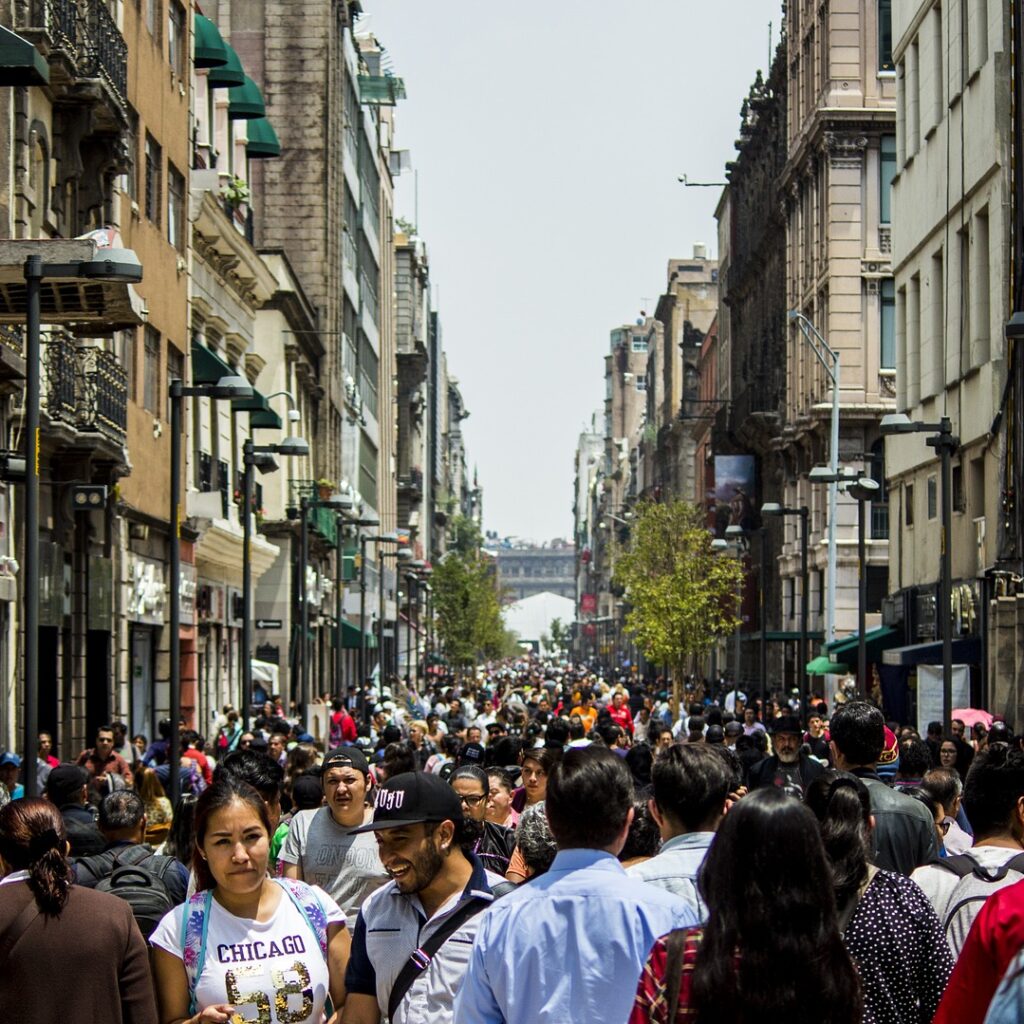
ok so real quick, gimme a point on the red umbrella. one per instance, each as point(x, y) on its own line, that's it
point(972, 716)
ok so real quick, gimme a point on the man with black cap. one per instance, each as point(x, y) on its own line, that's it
point(320, 848)
point(790, 766)
point(67, 786)
point(413, 936)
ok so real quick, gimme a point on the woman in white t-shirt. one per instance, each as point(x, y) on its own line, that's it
point(268, 950)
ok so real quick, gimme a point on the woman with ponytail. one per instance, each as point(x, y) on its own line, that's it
point(87, 940)
point(888, 924)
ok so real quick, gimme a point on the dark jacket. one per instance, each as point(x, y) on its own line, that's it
point(94, 952)
point(495, 847)
point(83, 835)
point(765, 772)
point(904, 835)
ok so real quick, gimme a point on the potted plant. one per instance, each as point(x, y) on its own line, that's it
point(325, 488)
point(235, 193)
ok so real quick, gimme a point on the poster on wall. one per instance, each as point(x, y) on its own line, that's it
point(929, 693)
point(734, 492)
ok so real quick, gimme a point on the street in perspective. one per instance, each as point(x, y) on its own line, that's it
point(711, 712)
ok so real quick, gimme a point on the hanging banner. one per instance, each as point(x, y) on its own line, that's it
point(929, 693)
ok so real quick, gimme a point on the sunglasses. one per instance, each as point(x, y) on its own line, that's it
point(472, 801)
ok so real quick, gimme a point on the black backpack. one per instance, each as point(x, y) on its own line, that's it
point(137, 879)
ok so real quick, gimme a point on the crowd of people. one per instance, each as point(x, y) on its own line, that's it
point(533, 845)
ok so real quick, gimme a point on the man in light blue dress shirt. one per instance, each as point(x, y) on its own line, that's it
point(571, 944)
point(691, 786)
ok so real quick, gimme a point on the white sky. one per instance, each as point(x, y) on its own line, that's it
point(548, 138)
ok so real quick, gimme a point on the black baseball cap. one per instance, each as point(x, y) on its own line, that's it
point(786, 723)
point(65, 782)
point(412, 798)
point(471, 753)
point(346, 757)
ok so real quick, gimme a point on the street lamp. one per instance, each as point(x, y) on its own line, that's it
point(344, 520)
point(945, 442)
point(775, 509)
point(117, 265)
point(340, 503)
point(863, 490)
point(227, 387)
point(413, 579)
point(400, 555)
point(829, 359)
point(737, 540)
point(291, 447)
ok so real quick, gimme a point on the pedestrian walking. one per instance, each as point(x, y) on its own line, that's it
point(245, 946)
point(48, 923)
point(566, 946)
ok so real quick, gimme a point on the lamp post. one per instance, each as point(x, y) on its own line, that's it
point(225, 388)
point(291, 447)
point(862, 491)
point(829, 359)
point(737, 540)
point(945, 442)
point(114, 265)
point(775, 509)
point(384, 538)
point(400, 554)
point(338, 502)
point(428, 646)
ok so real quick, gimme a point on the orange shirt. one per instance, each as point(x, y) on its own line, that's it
point(588, 715)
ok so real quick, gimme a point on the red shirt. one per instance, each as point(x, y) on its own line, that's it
point(651, 1003)
point(92, 763)
point(201, 763)
point(622, 716)
point(342, 722)
point(995, 938)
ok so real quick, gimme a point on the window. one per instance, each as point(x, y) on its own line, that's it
point(959, 499)
point(885, 35)
point(175, 371)
point(176, 37)
point(151, 371)
point(908, 504)
point(153, 18)
point(887, 171)
point(981, 292)
point(933, 496)
point(790, 597)
point(639, 343)
point(124, 349)
point(131, 177)
point(154, 163)
point(819, 583)
point(641, 383)
point(887, 356)
point(175, 207)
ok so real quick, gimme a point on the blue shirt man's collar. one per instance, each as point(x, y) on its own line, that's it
point(576, 859)
point(688, 841)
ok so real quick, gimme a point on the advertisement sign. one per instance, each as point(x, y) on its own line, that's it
point(588, 603)
point(734, 492)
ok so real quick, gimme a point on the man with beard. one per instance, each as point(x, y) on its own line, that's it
point(413, 935)
point(320, 849)
point(790, 767)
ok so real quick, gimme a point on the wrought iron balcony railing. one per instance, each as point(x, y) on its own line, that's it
point(101, 394)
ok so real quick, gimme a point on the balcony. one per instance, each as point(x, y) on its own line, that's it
point(84, 396)
point(411, 485)
point(82, 43)
point(369, 298)
point(322, 521)
point(12, 358)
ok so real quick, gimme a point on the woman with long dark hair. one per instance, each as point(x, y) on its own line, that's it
point(888, 923)
point(771, 946)
point(48, 923)
point(246, 943)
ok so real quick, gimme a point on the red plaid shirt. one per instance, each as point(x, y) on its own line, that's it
point(651, 1003)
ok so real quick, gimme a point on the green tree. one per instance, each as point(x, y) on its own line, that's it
point(559, 634)
point(469, 619)
point(681, 592)
point(464, 536)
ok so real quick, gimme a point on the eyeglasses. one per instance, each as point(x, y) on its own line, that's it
point(944, 826)
point(471, 801)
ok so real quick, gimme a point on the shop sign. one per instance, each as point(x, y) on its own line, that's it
point(187, 587)
point(147, 591)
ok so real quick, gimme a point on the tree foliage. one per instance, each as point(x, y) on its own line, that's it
point(559, 633)
point(681, 591)
point(469, 620)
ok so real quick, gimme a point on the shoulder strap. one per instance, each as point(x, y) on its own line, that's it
point(195, 917)
point(675, 949)
point(308, 904)
point(133, 855)
point(420, 959)
point(960, 864)
point(18, 928)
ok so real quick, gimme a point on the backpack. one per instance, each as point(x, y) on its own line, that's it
point(976, 883)
point(195, 916)
point(140, 886)
point(336, 729)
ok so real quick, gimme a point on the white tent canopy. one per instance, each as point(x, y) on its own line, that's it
point(531, 617)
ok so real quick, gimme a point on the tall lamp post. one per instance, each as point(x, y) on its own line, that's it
point(256, 456)
point(113, 265)
point(339, 503)
point(862, 491)
point(400, 555)
point(775, 509)
point(829, 359)
point(736, 540)
point(945, 442)
point(367, 538)
point(225, 388)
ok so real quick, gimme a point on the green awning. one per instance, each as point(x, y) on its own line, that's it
point(381, 90)
point(228, 76)
point(350, 636)
point(20, 62)
point(260, 412)
point(262, 138)
point(245, 101)
point(821, 666)
point(211, 50)
point(208, 367)
point(875, 641)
